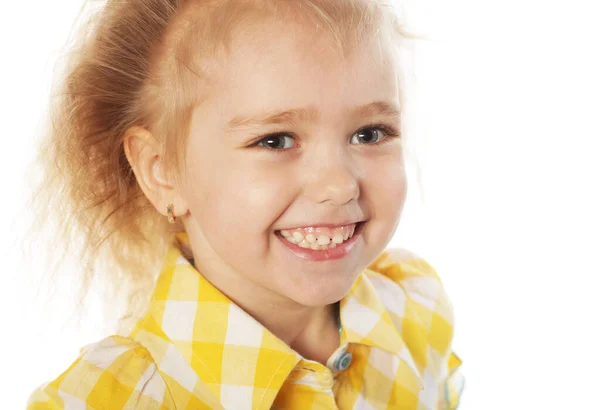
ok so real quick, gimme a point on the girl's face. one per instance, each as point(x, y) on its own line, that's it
point(321, 148)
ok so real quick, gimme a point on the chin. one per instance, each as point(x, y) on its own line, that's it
point(320, 293)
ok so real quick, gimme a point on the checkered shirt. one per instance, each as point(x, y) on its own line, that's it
point(196, 349)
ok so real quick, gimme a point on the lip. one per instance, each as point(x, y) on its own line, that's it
point(328, 254)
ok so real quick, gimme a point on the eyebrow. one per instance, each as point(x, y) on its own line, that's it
point(311, 114)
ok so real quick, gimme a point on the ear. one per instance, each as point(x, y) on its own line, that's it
point(143, 153)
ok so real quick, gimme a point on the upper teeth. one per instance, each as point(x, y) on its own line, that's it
point(319, 238)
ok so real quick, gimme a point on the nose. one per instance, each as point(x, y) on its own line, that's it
point(332, 179)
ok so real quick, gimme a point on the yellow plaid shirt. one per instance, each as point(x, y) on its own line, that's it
point(196, 349)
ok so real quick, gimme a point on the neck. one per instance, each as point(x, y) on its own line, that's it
point(313, 332)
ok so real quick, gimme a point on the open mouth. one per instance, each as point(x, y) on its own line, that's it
point(322, 239)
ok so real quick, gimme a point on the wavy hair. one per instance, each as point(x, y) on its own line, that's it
point(144, 63)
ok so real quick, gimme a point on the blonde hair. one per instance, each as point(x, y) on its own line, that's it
point(144, 63)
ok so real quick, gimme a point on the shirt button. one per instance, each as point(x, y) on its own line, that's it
point(340, 360)
point(343, 362)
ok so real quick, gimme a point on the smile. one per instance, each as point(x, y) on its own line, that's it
point(319, 238)
point(319, 244)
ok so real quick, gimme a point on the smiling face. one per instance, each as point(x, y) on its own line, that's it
point(332, 154)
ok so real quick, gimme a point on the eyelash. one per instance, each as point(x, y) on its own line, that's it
point(389, 135)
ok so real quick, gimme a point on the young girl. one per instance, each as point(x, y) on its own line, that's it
point(251, 152)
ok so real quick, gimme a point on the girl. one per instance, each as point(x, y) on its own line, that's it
point(252, 150)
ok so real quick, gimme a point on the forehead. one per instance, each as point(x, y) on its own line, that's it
point(279, 63)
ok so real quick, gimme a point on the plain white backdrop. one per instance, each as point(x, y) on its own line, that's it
point(506, 109)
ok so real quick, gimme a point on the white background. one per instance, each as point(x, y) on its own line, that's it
point(506, 109)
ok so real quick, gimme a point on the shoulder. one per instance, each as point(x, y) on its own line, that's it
point(413, 293)
point(399, 264)
point(415, 277)
point(113, 373)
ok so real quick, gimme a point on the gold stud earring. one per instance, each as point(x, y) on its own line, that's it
point(170, 215)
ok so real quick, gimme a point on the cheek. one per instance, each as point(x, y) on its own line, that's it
point(385, 180)
point(246, 198)
point(385, 192)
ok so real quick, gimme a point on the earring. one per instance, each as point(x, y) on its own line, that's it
point(170, 215)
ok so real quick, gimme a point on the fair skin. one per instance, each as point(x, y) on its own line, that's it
point(236, 196)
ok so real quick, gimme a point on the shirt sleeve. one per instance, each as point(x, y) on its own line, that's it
point(115, 373)
point(431, 308)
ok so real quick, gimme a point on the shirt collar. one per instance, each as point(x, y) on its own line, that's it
point(192, 314)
